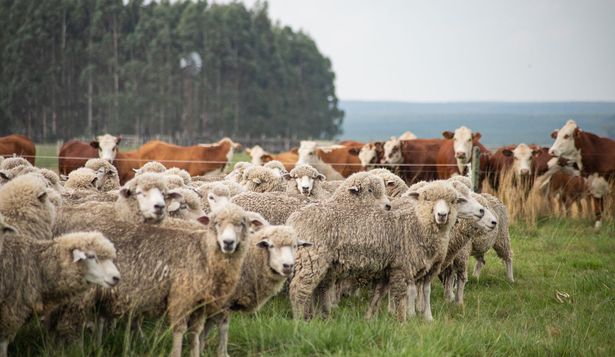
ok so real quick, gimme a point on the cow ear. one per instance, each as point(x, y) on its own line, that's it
point(94, 144)
point(576, 132)
point(536, 152)
point(249, 151)
point(266, 158)
point(476, 136)
point(554, 134)
point(295, 150)
point(507, 152)
point(447, 134)
point(379, 145)
point(119, 140)
point(354, 151)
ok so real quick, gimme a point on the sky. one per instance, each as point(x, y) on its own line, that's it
point(462, 50)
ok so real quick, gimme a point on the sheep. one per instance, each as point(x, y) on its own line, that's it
point(10, 163)
point(25, 204)
point(269, 262)
point(498, 239)
point(5, 229)
point(395, 186)
point(277, 167)
point(152, 167)
point(188, 206)
point(5, 176)
point(261, 179)
point(276, 207)
point(85, 179)
point(305, 180)
point(237, 173)
point(213, 193)
point(38, 274)
point(181, 173)
point(186, 274)
point(404, 246)
point(141, 199)
point(331, 186)
point(174, 181)
point(112, 178)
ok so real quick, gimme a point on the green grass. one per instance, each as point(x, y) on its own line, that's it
point(498, 319)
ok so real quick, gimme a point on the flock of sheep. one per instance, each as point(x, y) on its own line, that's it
point(87, 251)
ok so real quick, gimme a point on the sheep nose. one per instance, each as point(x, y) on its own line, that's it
point(288, 266)
point(116, 279)
point(159, 207)
point(442, 215)
point(494, 222)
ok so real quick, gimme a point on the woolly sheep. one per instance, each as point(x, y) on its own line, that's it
point(276, 207)
point(85, 179)
point(112, 179)
point(305, 180)
point(175, 271)
point(261, 179)
point(237, 173)
point(25, 204)
point(35, 274)
point(5, 229)
point(10, 163)
point(404, 246)
point(152, 167)
point(395, 186)
point(331, 186)
point(174, 181)
point(5, 176)
point(181, 173)
point(187, 206)
point(277, 167)
point(269, 262)
point(212, 194)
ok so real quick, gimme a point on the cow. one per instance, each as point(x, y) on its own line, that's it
point(202, 159)
point(261, 157)
point(335, 162)
point(417, 159)
point(74, 153)
point(456, 153)
point(18, 145)
point(526, 162)
point(591, 153)
point(370, 155)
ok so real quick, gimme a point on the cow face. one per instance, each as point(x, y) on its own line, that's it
point(463, 141)
point(523, 157)
point(256, 153)
point(564, 141)
point(369, 153)
point(107, 146)
point(392, 151)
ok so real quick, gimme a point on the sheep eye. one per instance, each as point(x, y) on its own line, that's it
point(91, 256)
point(370, 190)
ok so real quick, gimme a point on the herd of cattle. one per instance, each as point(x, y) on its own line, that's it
point(194, 244)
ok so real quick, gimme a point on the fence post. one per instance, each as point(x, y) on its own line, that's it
point(475, 167)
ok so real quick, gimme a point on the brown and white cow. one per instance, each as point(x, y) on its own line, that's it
point(74, 153)
point(202, 159)
point(335, 162)
point(525, 161)
point(456, 152)
point(591, 153)
point(19, 145)
point(260, 157)
point(370, 155)
point(417, 159)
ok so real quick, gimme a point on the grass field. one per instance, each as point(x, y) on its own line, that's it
point(498, 319)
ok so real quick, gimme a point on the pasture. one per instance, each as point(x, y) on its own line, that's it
point(498, 319)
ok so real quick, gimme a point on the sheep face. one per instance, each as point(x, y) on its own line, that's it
point(230, 225)
point(107, 146)
point(436, 202)
point(216, 200)
point(489, 221)
point(468, 207)
point(97, 271)
point(184, 205)
point(281, 248)
point(367, 188)
point(151, 202)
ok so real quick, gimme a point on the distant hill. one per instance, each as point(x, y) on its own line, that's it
point(499, 123)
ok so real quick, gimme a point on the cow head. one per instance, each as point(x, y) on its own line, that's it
point(564, 145)
point(392, 151)
point(463, 142)
point(256, 153)
point(107, 146)
point(307, 153)
point(369, 154)
point(523, 158)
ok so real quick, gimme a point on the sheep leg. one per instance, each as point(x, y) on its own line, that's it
point(324, 296)
point(399, 293)
point(480, 261)
point(304, 283)
point(503, 250)
point(411, 299)
point(427, 300)
point(223, 326)
point(194, 332)
point(209, 324)
point(420, 303)
point(178, 334)
point(462, 278)
point(100, 327)
point(449, 283)
point(379, 292)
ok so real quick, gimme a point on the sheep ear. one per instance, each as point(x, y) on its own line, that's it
point(286, 176)
point(263, 243)
point(256, 224)
point(447, 134)
point(203, 220)
point(174, 195)
point(321, 177)
point(42, 196)
point(554, 134)
point(257, 181)
point(94, 180)
point(5, 175)
point(6, 229)
point(414, 195)
point(125, 192)
point(294, 150)
point(94, 144)
point(461, 200)
point(63, 177)
point(354, 189)
point(507, 153)
point(78, 255)
point(390, 183)
point(302, 243)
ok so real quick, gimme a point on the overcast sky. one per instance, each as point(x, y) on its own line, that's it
point(454, 50)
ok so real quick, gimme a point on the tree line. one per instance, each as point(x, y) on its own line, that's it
point(81, 67)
